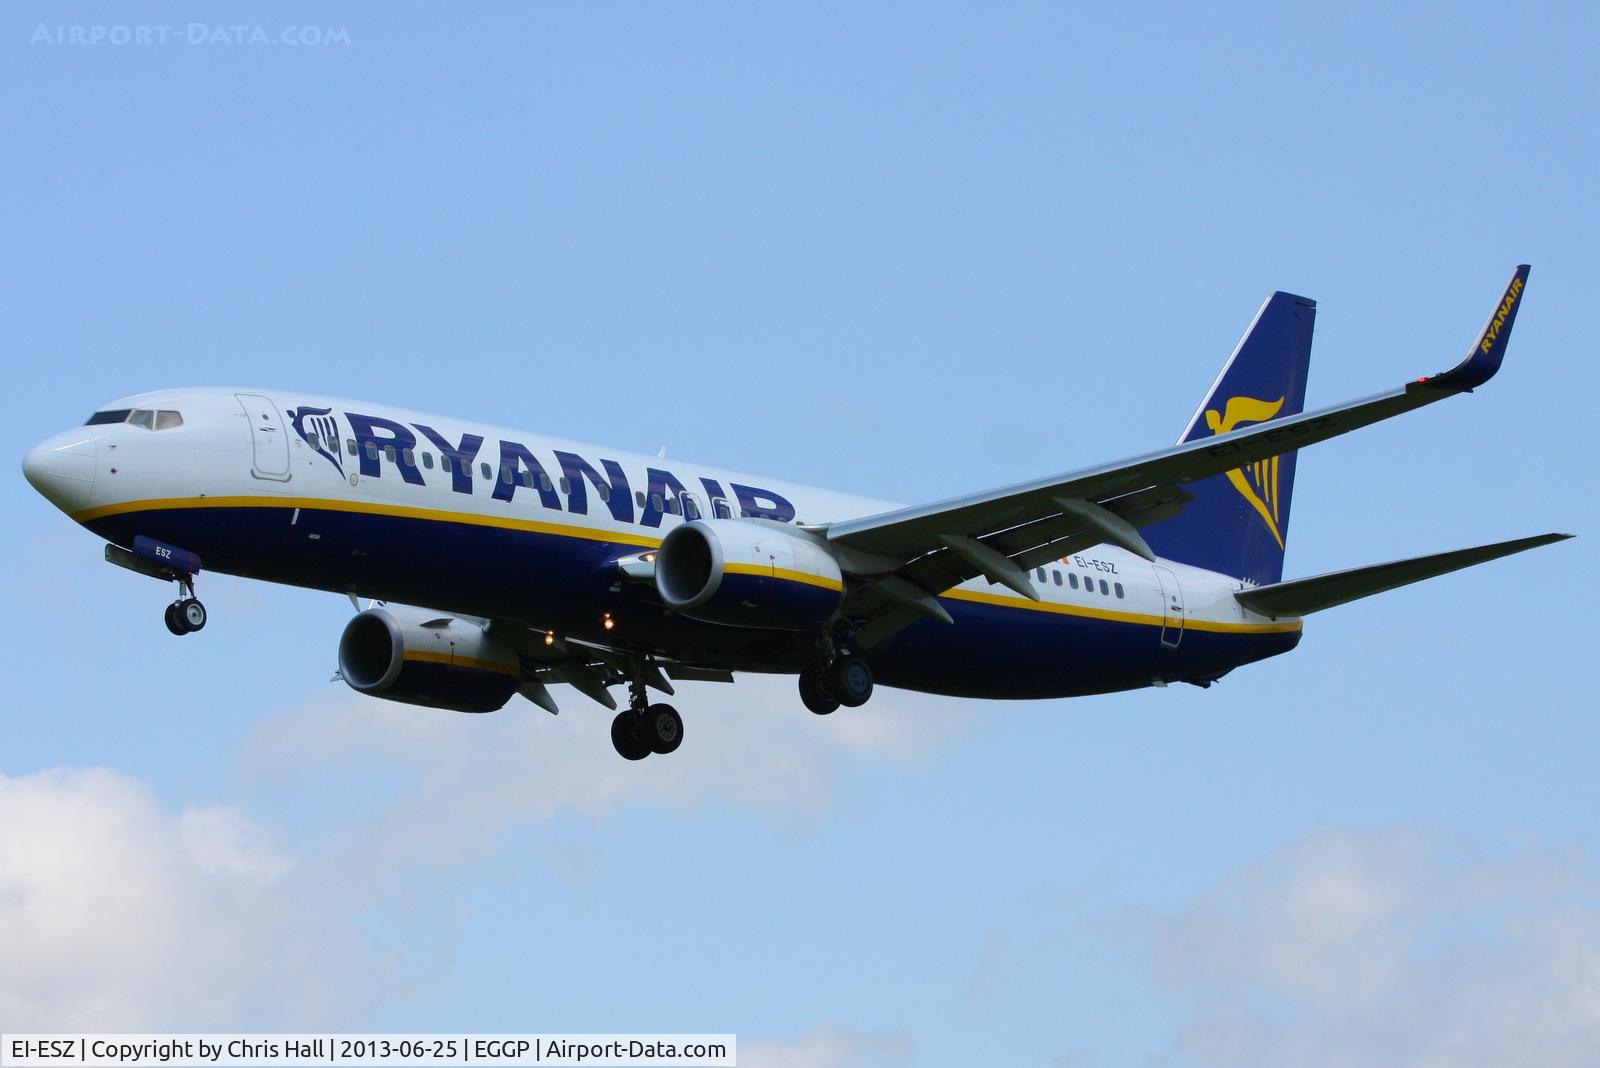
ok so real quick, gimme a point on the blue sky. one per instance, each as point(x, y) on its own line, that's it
point(905, 251)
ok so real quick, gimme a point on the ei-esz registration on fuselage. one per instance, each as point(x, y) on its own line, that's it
point(542, 561)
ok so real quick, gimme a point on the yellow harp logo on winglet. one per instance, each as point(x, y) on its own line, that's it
point(1257, 482)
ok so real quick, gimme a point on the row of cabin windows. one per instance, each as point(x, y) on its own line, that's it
point(1106, 588)
point(688, 507)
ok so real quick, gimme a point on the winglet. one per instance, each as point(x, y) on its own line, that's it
point(1490, 348)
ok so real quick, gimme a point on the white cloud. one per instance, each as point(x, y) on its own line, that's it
point(117, 914)
point(223, 840)
point(120, 913)
point(1392, 948)
point(468, 778)
point(828, 1048)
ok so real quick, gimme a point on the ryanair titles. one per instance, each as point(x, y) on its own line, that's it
point(374, 442)
point(1492, 332)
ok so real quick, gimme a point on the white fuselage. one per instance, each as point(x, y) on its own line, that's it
point(372, 500)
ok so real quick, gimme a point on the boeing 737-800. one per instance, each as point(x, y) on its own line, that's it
point(546, 561)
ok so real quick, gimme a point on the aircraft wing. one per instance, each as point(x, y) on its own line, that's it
point(1002, 533)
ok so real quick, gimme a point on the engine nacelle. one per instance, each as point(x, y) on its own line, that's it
point(424, 658)
point(748, 574)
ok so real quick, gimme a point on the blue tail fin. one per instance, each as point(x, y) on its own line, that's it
point(1238, 522)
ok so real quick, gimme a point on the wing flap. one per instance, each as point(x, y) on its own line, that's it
point(1299, 597)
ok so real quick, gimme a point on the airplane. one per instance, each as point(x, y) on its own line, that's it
point(546, 561)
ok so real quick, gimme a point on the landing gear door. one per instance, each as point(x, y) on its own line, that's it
point(1171, 607)
point(269, 438)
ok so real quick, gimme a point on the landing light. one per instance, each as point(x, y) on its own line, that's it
point(607, 622)
point(549, 637)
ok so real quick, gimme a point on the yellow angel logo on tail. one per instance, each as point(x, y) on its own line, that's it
point(1257, 482)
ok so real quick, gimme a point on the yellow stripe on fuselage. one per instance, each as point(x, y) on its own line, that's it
point(1112, 616)
point(439, 515)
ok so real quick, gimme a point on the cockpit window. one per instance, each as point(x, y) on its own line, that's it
point(145, 417)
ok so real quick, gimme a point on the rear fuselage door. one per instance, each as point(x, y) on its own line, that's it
point(269, 437)
point(1171, 607)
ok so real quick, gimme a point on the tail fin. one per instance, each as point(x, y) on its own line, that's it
point(1238, 522)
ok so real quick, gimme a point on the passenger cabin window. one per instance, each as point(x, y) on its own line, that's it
point(1105, 589)
point(110, 415)
point(720, 509)
point(1041, 574)
point(566, 486)
point(446, 464)
point(1118, 587)
point(388, 453)
point(691, 510)
point(544, 482)
point(410, 457)
point(1072, 580)
point(673, 507)
point(638, 496)
point(485, 470)
point(526, 480)
point(505, 474)
point(372, 450)
point(1056, 575)
point(350, 446)
point(427, 460)
point(603, 491)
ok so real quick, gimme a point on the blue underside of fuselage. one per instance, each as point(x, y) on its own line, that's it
point(568, 584)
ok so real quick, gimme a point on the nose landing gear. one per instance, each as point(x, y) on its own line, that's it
point(169, 564)
point(185, 615)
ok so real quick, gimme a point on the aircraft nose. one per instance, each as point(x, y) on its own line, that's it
point(62, 469)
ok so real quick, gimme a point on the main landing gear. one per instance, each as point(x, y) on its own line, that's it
point(846, 681)
point(643, 728)
point(185, 615)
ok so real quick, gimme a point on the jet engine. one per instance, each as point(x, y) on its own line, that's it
point(422, 658)
point(748, 574)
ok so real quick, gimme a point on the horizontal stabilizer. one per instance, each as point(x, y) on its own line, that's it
point(1301, 597)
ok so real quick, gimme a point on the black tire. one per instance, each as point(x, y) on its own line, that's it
point(624, 739)
point(174, 621)
point(661, 728)
point(192, 614)
point(850, 680)
point(814, 697)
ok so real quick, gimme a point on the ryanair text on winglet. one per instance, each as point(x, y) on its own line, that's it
point(1499, 319)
